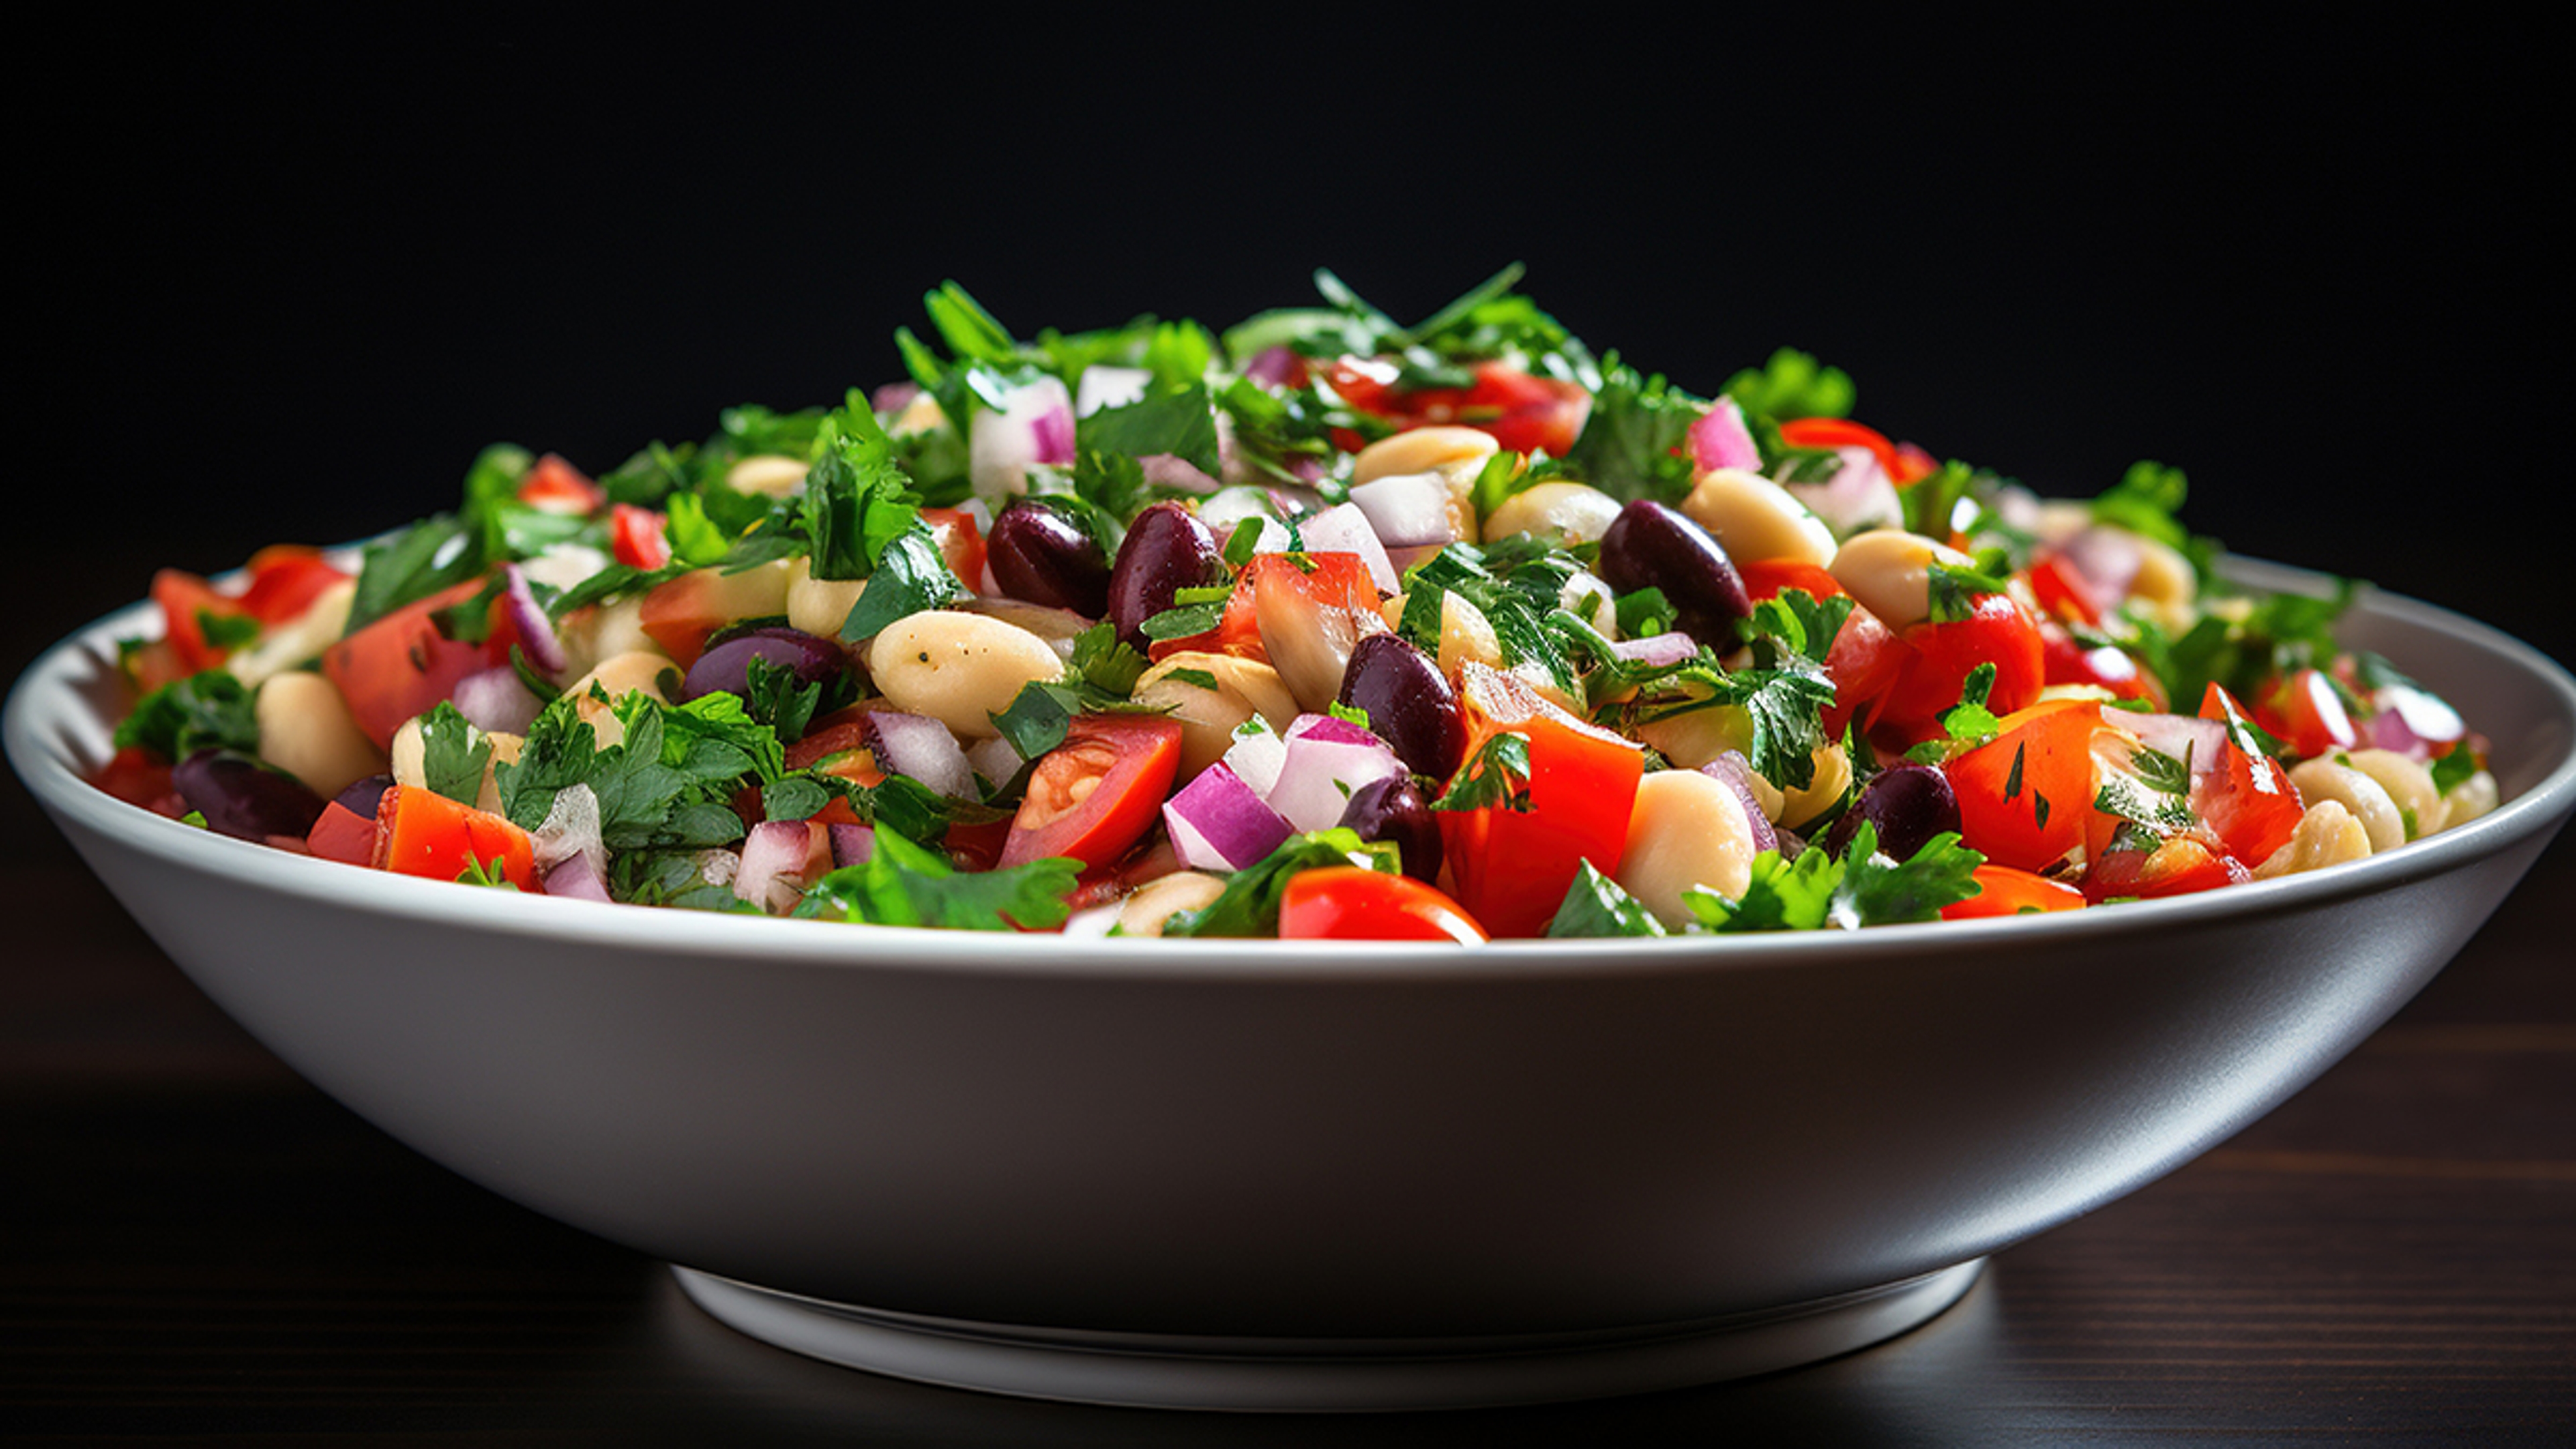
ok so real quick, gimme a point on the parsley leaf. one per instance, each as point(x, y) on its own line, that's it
point(1495, 777)
point(1861, 889)
point(477, 873)
point(2452, 770)
point(1178, 421)
point(904, 884)
point(1793, 385)
point(453, 753)
point(1596, 906)
point(1249, 905)
point(911, 576)
point(1636, 442)
point(210, 709)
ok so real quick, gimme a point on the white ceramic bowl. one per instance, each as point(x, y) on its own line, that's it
point(1262, 1174)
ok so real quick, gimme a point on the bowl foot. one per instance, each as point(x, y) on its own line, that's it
point(1323, 1375)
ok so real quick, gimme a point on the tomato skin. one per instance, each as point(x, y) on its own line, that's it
point(2042, 754)
point(1352, 903)
point(186, 600)
point(2062, 592)
point(1997, 631)
point(401, 664)
point(2066, 661)
point(635, 537)
point(2004, 891)
point(137, 777)
point(2181, 865)
point(285, 579)
point(960, 542)
point(2248, 799)
point(1512, 868)
point(1866, 655)
point(2302, 710)
point(1095, 795)
point(557, 486)
point(1523, 413)
point(1900, 467)
point(421, 832)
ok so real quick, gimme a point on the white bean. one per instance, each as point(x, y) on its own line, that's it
point(305, 729)
point(1156, 900)
point(638, 671)
point(1833, 776)
point(1686, 831)
point(771, 475)
point(1421, 450)
point(957, 668)
point(2469, 799)
point(2370, 804)
point(819, 606)
point(1560, 512)
point(600, 632)
point(2327, 834)
point(2407, 783)
point(1692, 739)
point(1208, 716)
point(1890, 572)
point(1754, 518)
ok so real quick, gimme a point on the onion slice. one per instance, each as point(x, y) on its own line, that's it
point(536, 632)
point(1408, 510)
point(1342, 528)
point(1327, 761)
point(919, 748)
point(1720, 439)
point(496, 701)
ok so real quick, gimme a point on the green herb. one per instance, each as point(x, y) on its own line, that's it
point(1196, 678)
point(1178, 421)
point(2452, 770)
point(796, 797)
point(1643, 614)
point(905, 884)
point(1495, 777)
point(2145, 501)
point(1596, 906)
point(911, 576)
point(1241, 544)
point(1966, 725)
point(195, 820)
point(479, 873)
point(1800, 624)
point(206, 710)
point(453, 754)
point(613, 582)
point(1184, 621)
point(2129, 798)
point(1636, 441)
point(227, 631)
point(436, 553)
point(1793, 385)
point(1249, 904)
point(1861, 889)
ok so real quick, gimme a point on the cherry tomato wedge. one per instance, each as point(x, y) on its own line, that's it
point(285, 579)
point(2065, 660)
point(1902, 465)
point(2302, 710)
point(960, 542)
point(2004, 891)
point(1997, 631)
point(556, 486)
point(2179, 865)
point(1512, 867)
point(2025, 795)
point(2248, 799)
point(1328, 581)
point(188, 603)
point(1096, 794)
point(1523, 413)
point(1350, 903)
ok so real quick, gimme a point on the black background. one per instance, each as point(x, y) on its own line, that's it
point(290, 277)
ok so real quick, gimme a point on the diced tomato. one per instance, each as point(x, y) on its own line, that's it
point(1997, 631)
point(635, 537)
point(2063, 592)
point(1866, 655)
point(2026, 795)
point(1333, 581)
point(1913, 465)
point(1096, 794)
point(1525, 414)
point(1511, 867)
point(2179, 865)
point(960, 542)
point(344, 835)
point(1844, 433)
point(187, 601)
point(2248, 799)
point(2302, 710)
point(2004, 891)
point(2064, 660)
point(403, 664)
point(556, 486)
point(285, 579)
point(1349, 902)
point(840, 749)
point(421, 832)
point(682, 614)
point(151, 665)
point(134, 776)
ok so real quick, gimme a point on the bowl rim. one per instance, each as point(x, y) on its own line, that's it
point(44, 698)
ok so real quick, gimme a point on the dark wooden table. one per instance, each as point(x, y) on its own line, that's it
point(199, 1247)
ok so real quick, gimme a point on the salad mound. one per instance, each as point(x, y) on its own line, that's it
point(1322, 626)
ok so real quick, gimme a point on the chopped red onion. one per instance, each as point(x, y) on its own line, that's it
point(571, 832)
point(1342, 528)
point(1657, 650)
point(576, 877)
point(1735, 772)
point(921, 749)
point(1217, 822)
point(852, 844)
point(893, 397)
point(1003, 444)
point(536, 632)
point(774, 857)
point(1858, 497)
point(2420, 719)
point(1275, 367)
point(1409, 510)
point(497, 701)
point(1721, 440)
point(1256, 755)
point(2108, 558)
point(1327, 761)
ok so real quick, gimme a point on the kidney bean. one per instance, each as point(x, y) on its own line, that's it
point(241, 798)
point(1650, 546)
point(1038, 554)
point(1908, 805)
point(1409, 704)
point(1167, 550)
point(1393, 809)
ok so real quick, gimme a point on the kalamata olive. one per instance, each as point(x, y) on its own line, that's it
point(1392, 808)
point(1908, 804)
point(1038, 554)
point(1167, 550)
point(1650, 546)
point(242, 798)
point(1409, 704)
point(727, 666)
point(363, 797)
